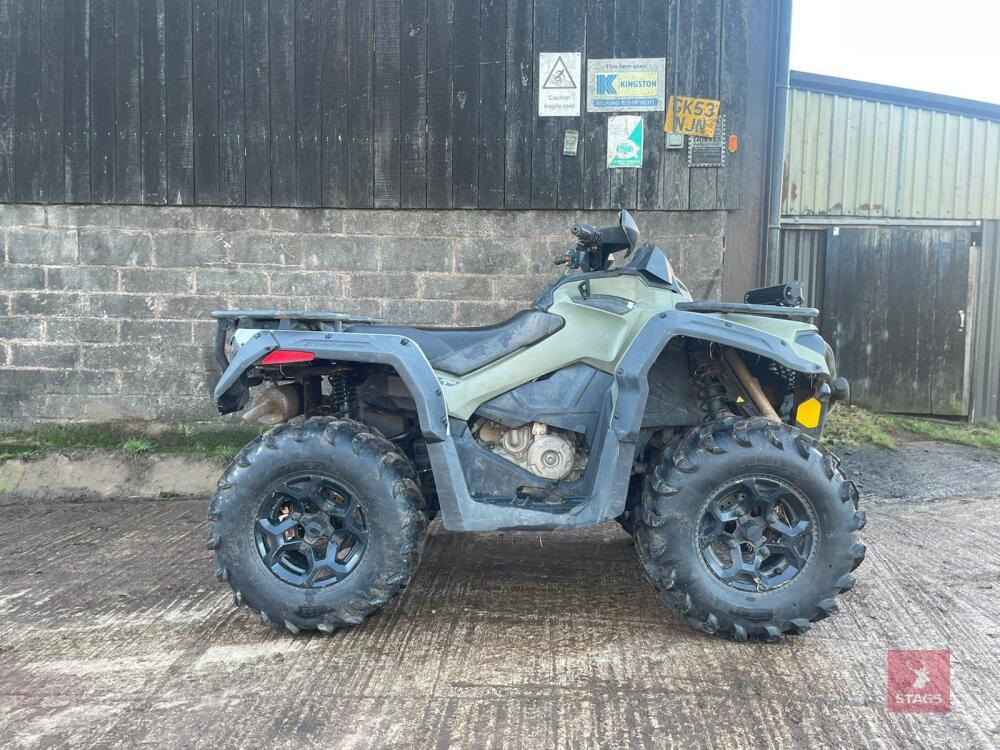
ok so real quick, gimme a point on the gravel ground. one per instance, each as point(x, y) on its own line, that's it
point(113, 633)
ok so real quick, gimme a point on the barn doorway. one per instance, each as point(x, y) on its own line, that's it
point(895, 310)
point(895, 307)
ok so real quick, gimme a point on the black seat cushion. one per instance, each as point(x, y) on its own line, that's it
point(460, 351)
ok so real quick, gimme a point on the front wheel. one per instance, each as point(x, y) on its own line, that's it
point(749, 529)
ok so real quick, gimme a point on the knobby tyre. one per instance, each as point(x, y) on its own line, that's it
point(749, 529)
point(317, 524)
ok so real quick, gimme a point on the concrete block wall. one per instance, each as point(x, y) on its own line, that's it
point(104, 309)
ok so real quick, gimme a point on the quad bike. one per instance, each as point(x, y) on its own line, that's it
point(615, 396)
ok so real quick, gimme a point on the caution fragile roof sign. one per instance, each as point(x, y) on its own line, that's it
point(690, 116)
point(559, 84)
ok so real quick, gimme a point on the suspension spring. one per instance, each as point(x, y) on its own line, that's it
point(343, 398)
point(710, 389)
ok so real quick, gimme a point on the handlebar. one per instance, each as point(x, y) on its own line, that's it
point(592, 249)
point(587, 234)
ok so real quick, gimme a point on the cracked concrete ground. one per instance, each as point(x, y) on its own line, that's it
point(113, 633)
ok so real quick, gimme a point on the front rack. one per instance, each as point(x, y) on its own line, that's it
point(773, 311)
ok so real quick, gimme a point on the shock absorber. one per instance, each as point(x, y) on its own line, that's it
point(709, 388)
point(343, 397)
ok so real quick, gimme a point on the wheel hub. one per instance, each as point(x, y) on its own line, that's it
point(316, 528)
point(310, 531)
point(756, 533)
point(752, 530)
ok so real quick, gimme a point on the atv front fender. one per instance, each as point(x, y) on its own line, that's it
point(793, 344)
point(398, 352)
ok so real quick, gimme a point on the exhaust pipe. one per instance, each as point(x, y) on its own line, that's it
point(271, 406)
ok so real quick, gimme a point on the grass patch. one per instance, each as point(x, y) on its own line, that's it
point(222, 443)
point(15, 451)
point(56, 436)
point(226, 453)
point(979, 435)
point(136, 446)
point(852, 427)
point(191, 439)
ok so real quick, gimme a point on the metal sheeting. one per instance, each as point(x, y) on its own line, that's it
point(801, 258)
point(847, 156)
point(986, 351)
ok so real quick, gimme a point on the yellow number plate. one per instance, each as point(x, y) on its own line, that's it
point(690, 116)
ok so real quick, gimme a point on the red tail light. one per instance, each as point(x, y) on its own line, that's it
point(287, 357)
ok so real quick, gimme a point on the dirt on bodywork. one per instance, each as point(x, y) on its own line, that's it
point(113, 633)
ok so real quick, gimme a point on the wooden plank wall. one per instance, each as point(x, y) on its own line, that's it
point(360, 103)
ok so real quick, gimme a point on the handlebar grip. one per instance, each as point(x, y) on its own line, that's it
point(561, 260)
point(584, 232)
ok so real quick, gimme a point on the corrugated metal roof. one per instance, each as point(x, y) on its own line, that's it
point(852, 156)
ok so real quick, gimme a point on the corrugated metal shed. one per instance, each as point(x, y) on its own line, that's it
point(863, 150)
point(986, 367)
point(802, 257)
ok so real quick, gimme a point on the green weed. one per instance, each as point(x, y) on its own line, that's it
point(222, 442)
point(136, 446)
point(978, 435)
point(852, 427)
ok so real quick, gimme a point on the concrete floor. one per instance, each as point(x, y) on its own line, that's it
point(114, 633)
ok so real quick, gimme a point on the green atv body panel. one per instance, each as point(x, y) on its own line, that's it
point(580, 362)
point(600, 338)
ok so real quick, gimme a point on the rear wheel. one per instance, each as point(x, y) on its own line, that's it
point(749, 529)
point(317, 524)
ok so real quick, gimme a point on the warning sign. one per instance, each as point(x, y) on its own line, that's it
point(559, 84)
point(625, 85)
point(625, 142)
point(690, 116)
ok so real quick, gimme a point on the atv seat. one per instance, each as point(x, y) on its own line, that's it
point(459, 351)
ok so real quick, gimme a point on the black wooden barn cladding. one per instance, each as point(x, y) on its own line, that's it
point(360, 103)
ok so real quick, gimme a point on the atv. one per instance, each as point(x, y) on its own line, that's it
point(695, 425)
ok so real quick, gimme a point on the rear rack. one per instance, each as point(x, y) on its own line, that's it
point(281, 320)
point(323, 321)
point(742, 308)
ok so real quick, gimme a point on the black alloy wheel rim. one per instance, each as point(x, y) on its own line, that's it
point(310, 531)
point(756, 533)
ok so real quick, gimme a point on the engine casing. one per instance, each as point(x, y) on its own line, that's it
point(536, 447)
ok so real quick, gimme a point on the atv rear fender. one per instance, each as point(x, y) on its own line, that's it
point(232, 391)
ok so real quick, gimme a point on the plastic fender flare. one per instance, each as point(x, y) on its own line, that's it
point(400, 353)
point(633, 368)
